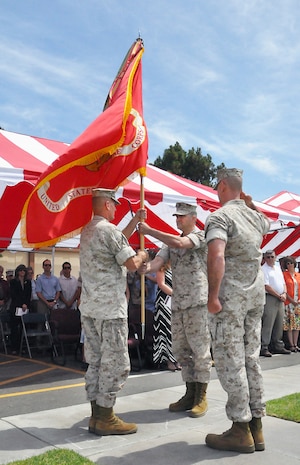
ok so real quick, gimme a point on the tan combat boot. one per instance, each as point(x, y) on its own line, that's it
point(257, 433)
point(92, 421)
point(187, 401)
point(200, 403)
point(238, 439)
point(107, 423)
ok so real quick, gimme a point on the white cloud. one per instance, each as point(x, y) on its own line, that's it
point(223, 76)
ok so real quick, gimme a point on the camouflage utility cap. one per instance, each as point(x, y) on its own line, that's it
point(224, 173)
point(106, 193)
point(185, 209)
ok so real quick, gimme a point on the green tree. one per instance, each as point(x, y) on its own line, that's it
point(172, 160)
point(190, 165)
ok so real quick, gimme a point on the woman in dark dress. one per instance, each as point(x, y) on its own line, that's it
point(20, 293)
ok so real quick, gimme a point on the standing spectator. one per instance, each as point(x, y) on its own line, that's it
point(272, 320)
point(191, 340)
point(47, 289)
point(9, 275)
point(150, 290)
point(4, 291)
point(236, 297)
point(34, 298)
point(150, 297)
point(162, 344)
point(134, 303)
point(105, 257)
point(20, 292)
point(291, 320)
point(70, 288)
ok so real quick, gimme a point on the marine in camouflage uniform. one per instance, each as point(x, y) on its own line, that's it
point(234, 234)
point(190, 335)
point(105, 256)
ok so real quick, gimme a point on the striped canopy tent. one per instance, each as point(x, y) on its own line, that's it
point(288, 242)
point(23, 158)
point(163, 190)
point(286, 200)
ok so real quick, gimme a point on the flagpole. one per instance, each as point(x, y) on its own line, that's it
point(142, 247)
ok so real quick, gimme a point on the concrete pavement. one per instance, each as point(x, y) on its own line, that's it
point(163, 437)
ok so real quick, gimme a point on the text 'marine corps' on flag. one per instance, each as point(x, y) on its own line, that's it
point(106, 154)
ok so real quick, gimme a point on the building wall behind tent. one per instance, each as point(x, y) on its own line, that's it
point(10, 260)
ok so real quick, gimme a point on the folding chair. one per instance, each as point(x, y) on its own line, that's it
point(134, 345)
point(35, 327)
point(66, 329)
point(4, 329)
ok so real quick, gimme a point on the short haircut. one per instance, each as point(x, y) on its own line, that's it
point(66, 263)
point(234, 182)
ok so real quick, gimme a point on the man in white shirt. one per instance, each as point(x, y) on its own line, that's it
point(70, 288)
point(272, 320)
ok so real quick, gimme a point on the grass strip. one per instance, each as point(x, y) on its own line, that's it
point(286, 408)
point(55, 457)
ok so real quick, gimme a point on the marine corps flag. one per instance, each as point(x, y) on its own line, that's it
point(106, 154)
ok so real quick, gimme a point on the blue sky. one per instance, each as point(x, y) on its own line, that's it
point(222, 75)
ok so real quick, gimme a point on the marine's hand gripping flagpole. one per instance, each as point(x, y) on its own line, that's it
point(142, 247)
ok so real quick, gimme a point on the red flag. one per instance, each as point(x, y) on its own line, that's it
point(106, 154)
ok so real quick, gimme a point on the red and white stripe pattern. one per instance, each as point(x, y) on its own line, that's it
point(23, 158)
point(288, 241)
point(285, 200)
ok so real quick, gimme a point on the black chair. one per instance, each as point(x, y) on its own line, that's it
point(36, 332)
point(134, 343)
point(66, 328)
point(4, 329)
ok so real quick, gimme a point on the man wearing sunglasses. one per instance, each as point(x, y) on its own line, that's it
point(272, 320)
point(70, 288)
point(47, 289)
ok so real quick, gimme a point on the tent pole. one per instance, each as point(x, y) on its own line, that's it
point(53, 256)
